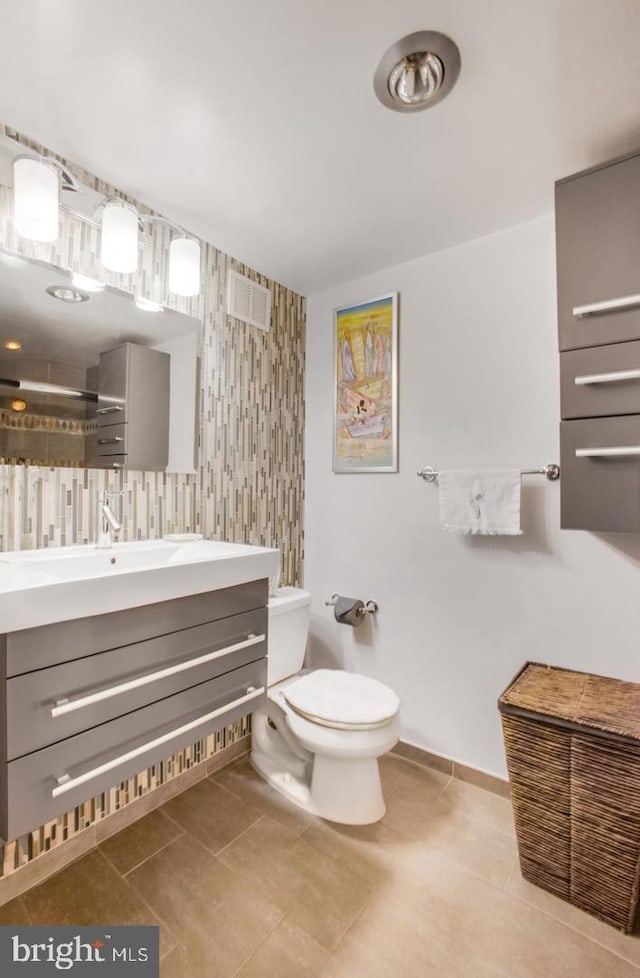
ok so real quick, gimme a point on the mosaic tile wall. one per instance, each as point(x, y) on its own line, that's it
point(248, 486)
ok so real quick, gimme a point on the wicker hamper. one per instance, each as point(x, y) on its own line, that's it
point(573, 752)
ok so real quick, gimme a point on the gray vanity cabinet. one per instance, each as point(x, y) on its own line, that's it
point(133, 409)
point(90, 702)
point(598, 272)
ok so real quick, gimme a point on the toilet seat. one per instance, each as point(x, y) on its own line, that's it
point(341, 700)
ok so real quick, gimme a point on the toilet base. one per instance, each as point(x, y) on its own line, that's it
point(340, 790)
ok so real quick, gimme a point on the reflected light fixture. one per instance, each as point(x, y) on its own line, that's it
point(148, 305)
point(36, 197)
point(12, 345)
point(184, 266)
point(18, 404)
point(86, 284)
point(119, 251)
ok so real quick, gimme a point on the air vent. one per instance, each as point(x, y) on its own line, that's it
point(248, 301)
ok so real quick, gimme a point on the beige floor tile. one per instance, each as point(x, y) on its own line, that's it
point(395, 771)
point(243, 782)
point(13, 912)
point(270, 857)
point(625, 945)
point(288, 953)
point(219, 918)
point(210, 814)
point(140, 840)
point(478, 803)
point(327, 898)
point(91, 892)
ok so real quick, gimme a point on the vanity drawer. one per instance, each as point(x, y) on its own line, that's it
point(600, 464)
point(57, 778)
point(52, 704)
point(597, 249)
point(37, 648)
point(111, 440)
point(601, 381)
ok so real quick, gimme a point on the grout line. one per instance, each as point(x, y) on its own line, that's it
point(240, 835)
point(151, 855)
point(256, 949)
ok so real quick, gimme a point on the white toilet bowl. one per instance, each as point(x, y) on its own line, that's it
point(318, 738)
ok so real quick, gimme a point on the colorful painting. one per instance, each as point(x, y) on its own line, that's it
point(366, 338)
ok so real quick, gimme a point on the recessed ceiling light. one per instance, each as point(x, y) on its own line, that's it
point(148, 305)
point(12, 345)
point(86, 284)
point(417, 71)
point(18, 405)
point(67, 294)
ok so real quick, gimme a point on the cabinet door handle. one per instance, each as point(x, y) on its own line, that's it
point(609, 378)
point(65, 705)
point(66, 783)
point(620, 451)
point(110, 410)
point(110, 441)
point(607, 305)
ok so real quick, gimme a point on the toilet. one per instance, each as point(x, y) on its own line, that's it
point(318, 737)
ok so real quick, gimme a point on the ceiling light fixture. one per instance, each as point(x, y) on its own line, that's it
point(184, 266)
point(12, 345)
point(86, 284)
point(119, 251)
point(36, 198)
point(67, 294)
point(417, 71)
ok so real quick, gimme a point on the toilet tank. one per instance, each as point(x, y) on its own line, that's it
point(289, 611)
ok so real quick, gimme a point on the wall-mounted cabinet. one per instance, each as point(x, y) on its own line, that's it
point(598, 265)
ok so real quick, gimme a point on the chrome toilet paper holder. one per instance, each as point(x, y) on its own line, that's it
point(370, 607)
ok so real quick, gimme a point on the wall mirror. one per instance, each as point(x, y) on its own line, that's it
point(53, 336)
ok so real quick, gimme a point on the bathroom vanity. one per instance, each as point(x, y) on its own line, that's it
point(91, 699)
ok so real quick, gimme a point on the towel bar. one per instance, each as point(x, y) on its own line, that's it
point(551, 471)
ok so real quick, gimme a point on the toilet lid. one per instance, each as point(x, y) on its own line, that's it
point(346, 700)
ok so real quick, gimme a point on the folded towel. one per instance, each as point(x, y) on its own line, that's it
point(485, 502)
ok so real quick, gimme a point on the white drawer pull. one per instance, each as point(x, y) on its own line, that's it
point(610, 378)
point(614, 452)
point(607, 305)
point(65, 705)
point(67, 783)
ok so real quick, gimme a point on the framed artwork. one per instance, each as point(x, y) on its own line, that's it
point(366, 386)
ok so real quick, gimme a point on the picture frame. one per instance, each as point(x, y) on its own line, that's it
point(365, 434)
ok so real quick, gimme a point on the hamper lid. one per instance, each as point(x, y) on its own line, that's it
point(572, 698)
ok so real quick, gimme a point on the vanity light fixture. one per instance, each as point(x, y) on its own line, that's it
point(119, 236)
point(148, 305)
point(184, 266)
point(36, 198)
point(12, 345)
point(18, 404)
point(86, 284)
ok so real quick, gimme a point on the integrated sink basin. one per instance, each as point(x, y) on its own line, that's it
point(38, 587)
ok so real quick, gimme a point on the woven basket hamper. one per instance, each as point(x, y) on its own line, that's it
point(573, 753)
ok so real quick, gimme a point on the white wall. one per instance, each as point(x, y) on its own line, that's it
point(459, 615)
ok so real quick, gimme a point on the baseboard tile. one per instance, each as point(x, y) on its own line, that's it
point(463, 772)
point(51, 862)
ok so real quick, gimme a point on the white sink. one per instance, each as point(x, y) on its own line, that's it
point(38, 587)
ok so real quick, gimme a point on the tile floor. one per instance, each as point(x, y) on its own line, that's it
point(244, 885)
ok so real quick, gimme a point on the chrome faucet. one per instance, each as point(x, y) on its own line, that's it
point(107, 522)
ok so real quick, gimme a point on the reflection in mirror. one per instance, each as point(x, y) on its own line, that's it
point(90, 378)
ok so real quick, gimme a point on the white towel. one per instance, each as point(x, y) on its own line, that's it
point(485, 501)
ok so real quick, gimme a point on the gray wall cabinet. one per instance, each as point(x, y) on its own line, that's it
point(89, 702)
point(598, 268)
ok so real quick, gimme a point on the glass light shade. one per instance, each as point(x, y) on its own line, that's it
point(36, 196)
point(119, 237)
point(184, 266)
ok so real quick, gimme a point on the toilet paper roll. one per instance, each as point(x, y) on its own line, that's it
point(349, 611)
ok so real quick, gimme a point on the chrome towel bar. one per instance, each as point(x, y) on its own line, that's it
point(551, 471)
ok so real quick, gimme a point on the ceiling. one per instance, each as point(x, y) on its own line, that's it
point(255, 125)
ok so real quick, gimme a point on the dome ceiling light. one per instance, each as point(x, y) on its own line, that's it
point(417, 71)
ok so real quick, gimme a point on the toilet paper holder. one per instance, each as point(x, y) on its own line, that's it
point(369, 607)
